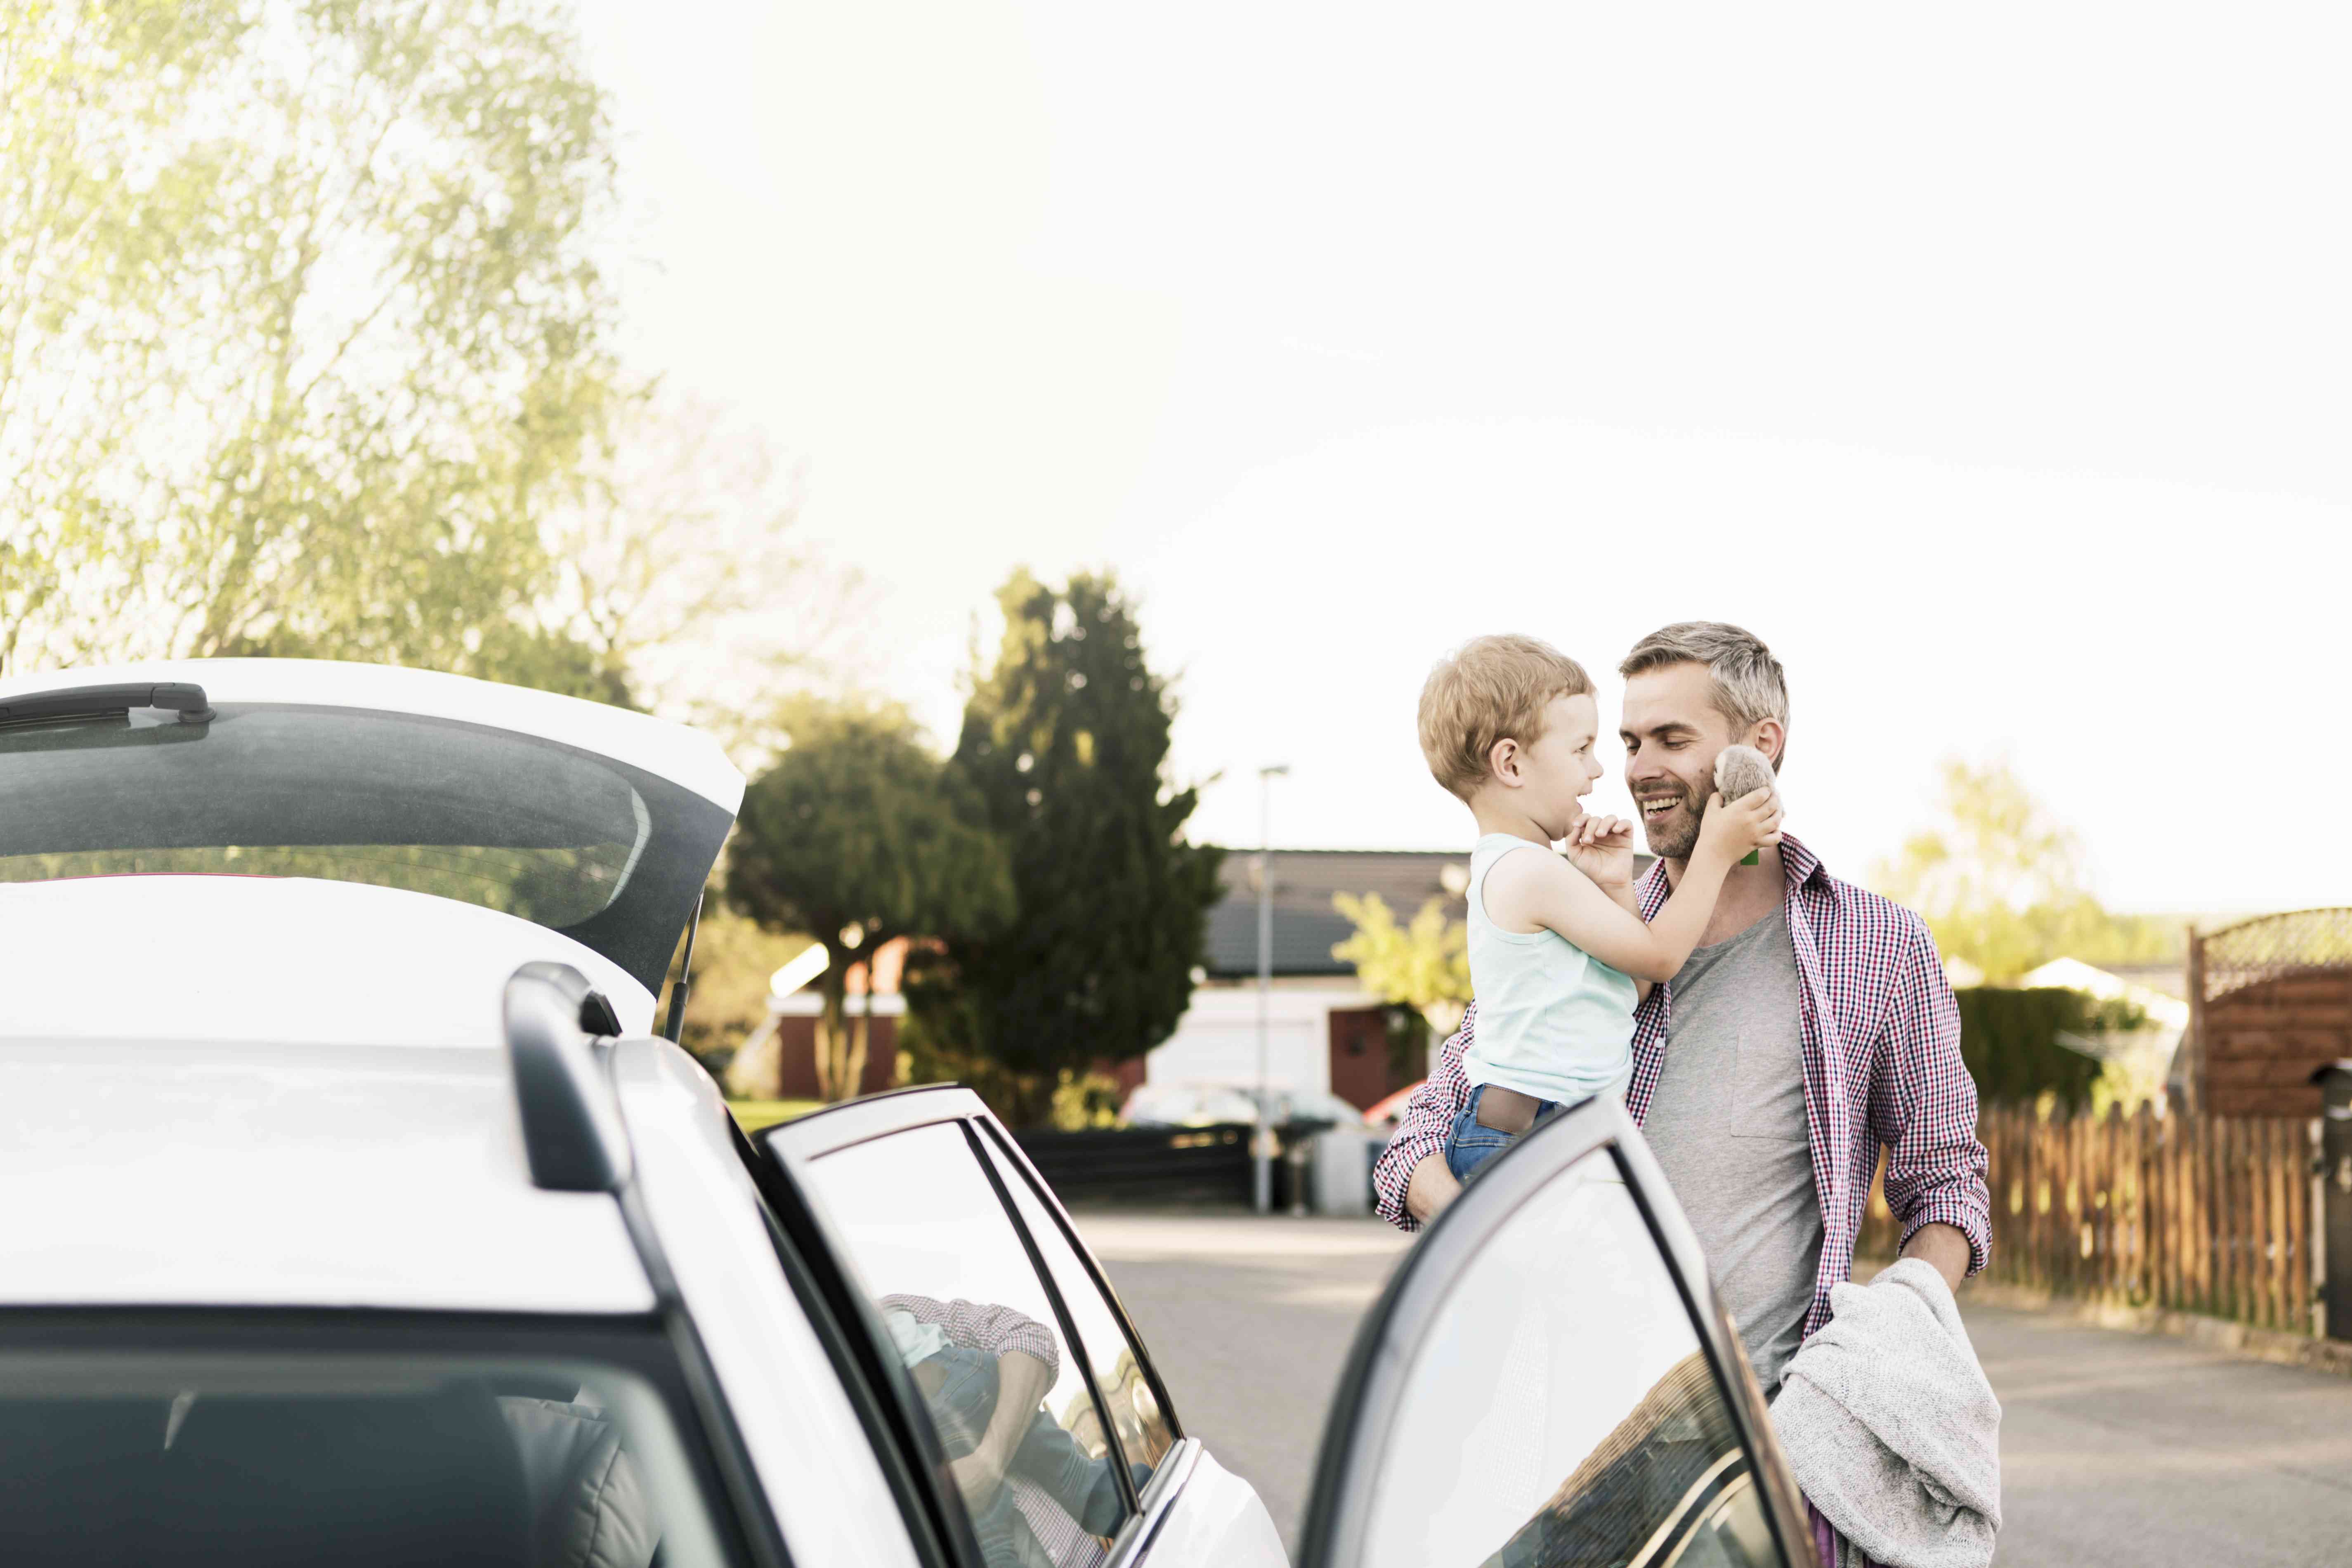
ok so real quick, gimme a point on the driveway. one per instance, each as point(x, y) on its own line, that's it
point(2117, 1450)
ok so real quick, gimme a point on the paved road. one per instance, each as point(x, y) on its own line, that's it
point(2117, 1450)
point(1249, 1321)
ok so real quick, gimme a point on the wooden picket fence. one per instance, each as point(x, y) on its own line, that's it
point(2203, 1213)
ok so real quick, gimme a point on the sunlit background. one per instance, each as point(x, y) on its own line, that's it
point(1992, 368)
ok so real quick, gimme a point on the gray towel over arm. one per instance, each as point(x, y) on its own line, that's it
point(1890, 1427)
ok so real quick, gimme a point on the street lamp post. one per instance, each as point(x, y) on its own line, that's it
point(1262, 1143)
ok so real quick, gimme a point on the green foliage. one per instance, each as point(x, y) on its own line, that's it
point(858, 836)
point(1064, 744)
point(2009, 1040)
point(753, 1115)
point(1084, 1100)
point(1424, 966)
point(302, 334)
point(2004, 886)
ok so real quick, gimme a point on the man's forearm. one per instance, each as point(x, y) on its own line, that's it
point(1022, 1381)
point(1943, 1245)
point(1432, 1186)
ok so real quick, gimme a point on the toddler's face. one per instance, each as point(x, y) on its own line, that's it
point(1562, 769)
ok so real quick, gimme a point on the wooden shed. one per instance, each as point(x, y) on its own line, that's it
point(2271, 1002)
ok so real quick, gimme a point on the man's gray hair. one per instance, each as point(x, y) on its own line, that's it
point(1748, 683)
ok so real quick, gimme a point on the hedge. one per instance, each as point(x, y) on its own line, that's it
point(2008, 1038)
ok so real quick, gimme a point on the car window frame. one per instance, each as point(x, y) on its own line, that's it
point(1069, 1323)
point(1377, 1375)
point(790, 1147)
point(1002, 1140)
point(880, 1389)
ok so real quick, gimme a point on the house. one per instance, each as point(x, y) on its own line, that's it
point(2141, 1058)
point(785, 1045)
point(1324, 1032)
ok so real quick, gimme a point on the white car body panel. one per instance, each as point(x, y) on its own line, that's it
point(685, 757)
point(266, 958)
point(1216, 1520)
point(814, 1458)
point(165, 1174)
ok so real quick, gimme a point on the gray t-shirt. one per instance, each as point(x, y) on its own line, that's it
point(1727, 1124)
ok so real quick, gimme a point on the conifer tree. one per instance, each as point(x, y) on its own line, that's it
point(1065, 745)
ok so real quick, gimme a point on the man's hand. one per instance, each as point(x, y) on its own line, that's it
point(1432, 1186)
point(1945, 1245)
point(1602, 848)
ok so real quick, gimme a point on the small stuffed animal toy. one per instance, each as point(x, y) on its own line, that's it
point(1740, 771)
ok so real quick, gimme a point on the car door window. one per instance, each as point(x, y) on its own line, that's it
point(1553, 1400)
point(1122, 1381)
point(968, 1317)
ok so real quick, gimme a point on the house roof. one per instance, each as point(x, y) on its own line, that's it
point(1305, 926)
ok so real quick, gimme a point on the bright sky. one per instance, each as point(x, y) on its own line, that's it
point(1996, 368)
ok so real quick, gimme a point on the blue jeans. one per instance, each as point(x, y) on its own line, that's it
point(1469, 1147)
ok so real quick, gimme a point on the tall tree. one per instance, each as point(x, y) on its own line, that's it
point(1064, 743)
point(302, 327)
point(2004, 886)
point(857, 835)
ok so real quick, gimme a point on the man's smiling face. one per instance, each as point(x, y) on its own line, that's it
point(1672, 730)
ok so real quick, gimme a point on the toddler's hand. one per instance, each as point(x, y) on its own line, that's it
point(1602, 848)
point(1730, 829)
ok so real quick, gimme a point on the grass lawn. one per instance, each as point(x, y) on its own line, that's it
point(754, 1114)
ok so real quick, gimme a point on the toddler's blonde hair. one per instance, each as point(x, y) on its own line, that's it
point(1489, 690)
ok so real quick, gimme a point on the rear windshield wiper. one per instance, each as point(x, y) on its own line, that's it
point(181, 696)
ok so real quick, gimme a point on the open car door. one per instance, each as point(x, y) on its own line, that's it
point(1548, 1383)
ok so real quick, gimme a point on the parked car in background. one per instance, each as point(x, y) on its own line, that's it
point(1212, 1105)
point(359, 1215)
point(1186, 1105)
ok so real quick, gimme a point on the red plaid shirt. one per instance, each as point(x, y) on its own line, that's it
point(1882, 1042)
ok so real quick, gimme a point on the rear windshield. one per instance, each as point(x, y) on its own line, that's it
point(602, 852)
point(371, 1445)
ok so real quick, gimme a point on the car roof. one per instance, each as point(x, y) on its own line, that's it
point(685, 757)
point(211, 1174)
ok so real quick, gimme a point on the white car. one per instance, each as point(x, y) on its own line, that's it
point(1217, 1104)
point(358, 1214)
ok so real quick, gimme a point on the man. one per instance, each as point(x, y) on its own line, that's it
point(1812, 1028)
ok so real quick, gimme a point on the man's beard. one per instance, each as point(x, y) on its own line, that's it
point(1674, 835)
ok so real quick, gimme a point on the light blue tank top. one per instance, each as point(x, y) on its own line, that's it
point(1553, 1021)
